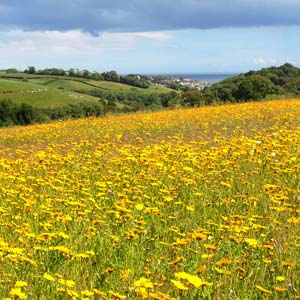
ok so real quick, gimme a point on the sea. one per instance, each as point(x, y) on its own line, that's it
point(210, 77)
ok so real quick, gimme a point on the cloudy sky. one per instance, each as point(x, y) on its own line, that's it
point(150, 36)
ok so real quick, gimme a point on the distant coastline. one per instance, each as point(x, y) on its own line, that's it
point(206, 77)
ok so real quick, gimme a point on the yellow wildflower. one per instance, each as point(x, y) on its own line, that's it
point(179, 285)
point(260, 288)
point(17, 292)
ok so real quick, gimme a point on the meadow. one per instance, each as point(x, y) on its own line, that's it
point(40, 96)
point(181, 204)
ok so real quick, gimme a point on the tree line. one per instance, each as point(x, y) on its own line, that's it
point(131, 79)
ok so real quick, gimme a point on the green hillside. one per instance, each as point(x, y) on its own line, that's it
point(40, 96)
point(71, 85)
point(31, 98)
point(267, 83)
point(115, 86)
point(77, 83)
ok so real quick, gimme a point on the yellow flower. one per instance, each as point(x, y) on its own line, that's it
point(142, 292)
point(68, 283)
point(20, 283)
point(179, 285)
point(210, 247)
point(223, 262)
point(280, 289)
point(161, 296)
point(280, 278)
point(190, 207)
point(139, 206)
point(48, 277)
point(251, 242)
point(225, 184)
point(17, 292)
point(192, 279)
point(125, 274)
point(260, 288)
point(87, 293)
point(220, 271)
point(117, 295)
point(72, 293)
point(143, 282)
point(100, 293)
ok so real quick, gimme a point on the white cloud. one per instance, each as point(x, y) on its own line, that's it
point(156, 35)
point(264, 61)
point(259, 61)
point(134, 36)
point(73, 39)
point(42, 40)
point(49, 48)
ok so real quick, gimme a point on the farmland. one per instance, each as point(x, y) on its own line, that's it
point(179, 204)
point(29, 98)
point(40, 96)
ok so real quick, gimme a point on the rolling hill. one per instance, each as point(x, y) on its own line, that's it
point(30, 98)
point(40, 96)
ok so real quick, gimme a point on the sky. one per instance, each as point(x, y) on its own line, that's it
point(150, 36)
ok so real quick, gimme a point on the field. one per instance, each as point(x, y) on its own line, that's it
point(184, 204)
point(40, 96)
point(78, 84)
point(115, 86)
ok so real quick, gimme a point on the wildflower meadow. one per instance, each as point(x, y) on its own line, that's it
point(180, 204)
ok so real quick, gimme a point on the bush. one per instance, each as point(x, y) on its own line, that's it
point(16, 114)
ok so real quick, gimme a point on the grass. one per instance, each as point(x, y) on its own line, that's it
point(10, 86)
point(71, 85)
point(115, 86)
point(81, 84)
point(183, 204)
point(38, 95)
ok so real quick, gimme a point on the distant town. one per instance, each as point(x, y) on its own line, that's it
point(179, 82)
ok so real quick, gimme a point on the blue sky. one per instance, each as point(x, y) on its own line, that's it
point(150, 36)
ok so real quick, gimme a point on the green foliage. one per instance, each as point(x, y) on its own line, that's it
point(111, 76)
point(131, 98)
point(273, 82)
point(30, 70)
point(293, 86)
point(11, 71)
point(192, 98)
point(254, 87)
point(135, 80)
point(15, 114)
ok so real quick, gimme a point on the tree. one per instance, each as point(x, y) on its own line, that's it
point(192, 98)
point(11, 71)
point(71, 72)
point(111, 76)
point(254, 87)
point(31, 70)
point(86, 74)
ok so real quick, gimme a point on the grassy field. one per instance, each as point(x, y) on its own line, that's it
point(11, 86)
point(183, 204)
point(38, 95)
point(114, 86)
point(81, 84)
point(71, 85)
